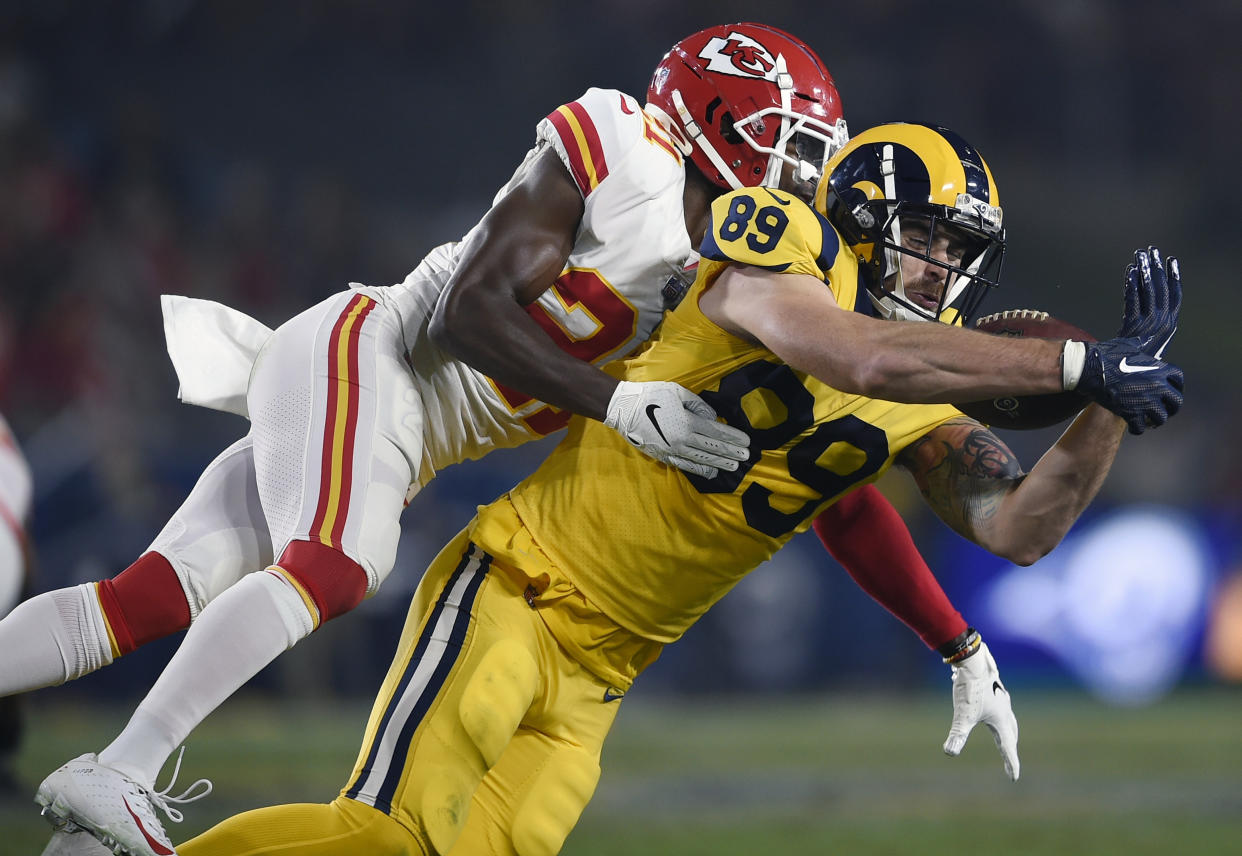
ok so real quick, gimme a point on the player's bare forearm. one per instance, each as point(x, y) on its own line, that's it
point(490, 331)
point(797, 318)
point(516, 254)
point(920, 363)
point(926, 363)
point(1040, 510)
point(964, 471)
point(974, 482)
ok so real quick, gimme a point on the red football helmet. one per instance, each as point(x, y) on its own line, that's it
point(736, 96)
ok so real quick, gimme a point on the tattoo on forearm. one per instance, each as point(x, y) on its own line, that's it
point(964, 472)
point(983, 455)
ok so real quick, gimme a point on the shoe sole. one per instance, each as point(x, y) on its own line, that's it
point(64, 820)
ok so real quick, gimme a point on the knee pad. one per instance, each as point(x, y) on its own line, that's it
point(554, 801)
point(330, 582)
point(497, 696)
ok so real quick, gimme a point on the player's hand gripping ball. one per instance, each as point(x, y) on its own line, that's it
point(1026, 412)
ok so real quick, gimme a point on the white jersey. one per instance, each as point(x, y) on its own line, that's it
point(352, 406)
point(632, 239)
point(605, 303)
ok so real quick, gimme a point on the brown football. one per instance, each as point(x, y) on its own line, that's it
point(1027, 412)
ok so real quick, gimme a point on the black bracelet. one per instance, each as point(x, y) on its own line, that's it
point(960, 646)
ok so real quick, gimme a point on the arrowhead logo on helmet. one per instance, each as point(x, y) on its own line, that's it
point(738, 54)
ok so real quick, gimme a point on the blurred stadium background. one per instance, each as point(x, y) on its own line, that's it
point(266, 154)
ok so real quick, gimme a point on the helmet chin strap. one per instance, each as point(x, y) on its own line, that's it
point(666, 122)
point(890, 310)
point(885, 307)
point(962, 281)
point(700, 139)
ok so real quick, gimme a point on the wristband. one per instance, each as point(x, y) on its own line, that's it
point(1073, 361)
point(961, 646)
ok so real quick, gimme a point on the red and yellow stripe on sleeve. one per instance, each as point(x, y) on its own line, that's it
point(581, 140)
point(337, 473)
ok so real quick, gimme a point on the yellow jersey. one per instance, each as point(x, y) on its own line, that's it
point(653, 548)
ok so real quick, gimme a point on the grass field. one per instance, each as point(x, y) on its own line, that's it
point(823, 775)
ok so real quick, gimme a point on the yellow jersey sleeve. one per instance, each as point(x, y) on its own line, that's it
point(776, 231)
point(770, 229)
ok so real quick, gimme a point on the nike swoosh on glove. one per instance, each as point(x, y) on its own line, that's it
point(668, 422)
point(979, 696)
point(1142, 390)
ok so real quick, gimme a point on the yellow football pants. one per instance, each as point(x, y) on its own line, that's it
point(484, 739)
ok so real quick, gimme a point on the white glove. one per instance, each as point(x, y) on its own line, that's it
point(670, 423)
point(979, 696)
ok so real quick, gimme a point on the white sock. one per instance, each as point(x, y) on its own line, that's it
point(51, 638)
point(237, 634)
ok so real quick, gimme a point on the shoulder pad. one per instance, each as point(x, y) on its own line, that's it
point(592, 133)
point(770, 229)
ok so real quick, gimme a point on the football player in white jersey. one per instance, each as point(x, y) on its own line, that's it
point(355, 403)
point(15, 496)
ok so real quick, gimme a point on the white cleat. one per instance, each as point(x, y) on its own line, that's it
point(87, 795)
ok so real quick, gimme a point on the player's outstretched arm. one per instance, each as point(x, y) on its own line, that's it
point(797, 318)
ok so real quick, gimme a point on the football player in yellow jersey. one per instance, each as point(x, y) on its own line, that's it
point(533, 623)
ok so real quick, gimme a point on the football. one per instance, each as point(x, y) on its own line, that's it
point(1027, 412)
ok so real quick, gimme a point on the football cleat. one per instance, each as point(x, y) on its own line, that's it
point(87, 795)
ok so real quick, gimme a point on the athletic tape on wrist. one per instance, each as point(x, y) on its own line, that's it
point(1073, 360)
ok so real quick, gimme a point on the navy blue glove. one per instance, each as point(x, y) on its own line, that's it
point(1153, 301)
point(1143, 390)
